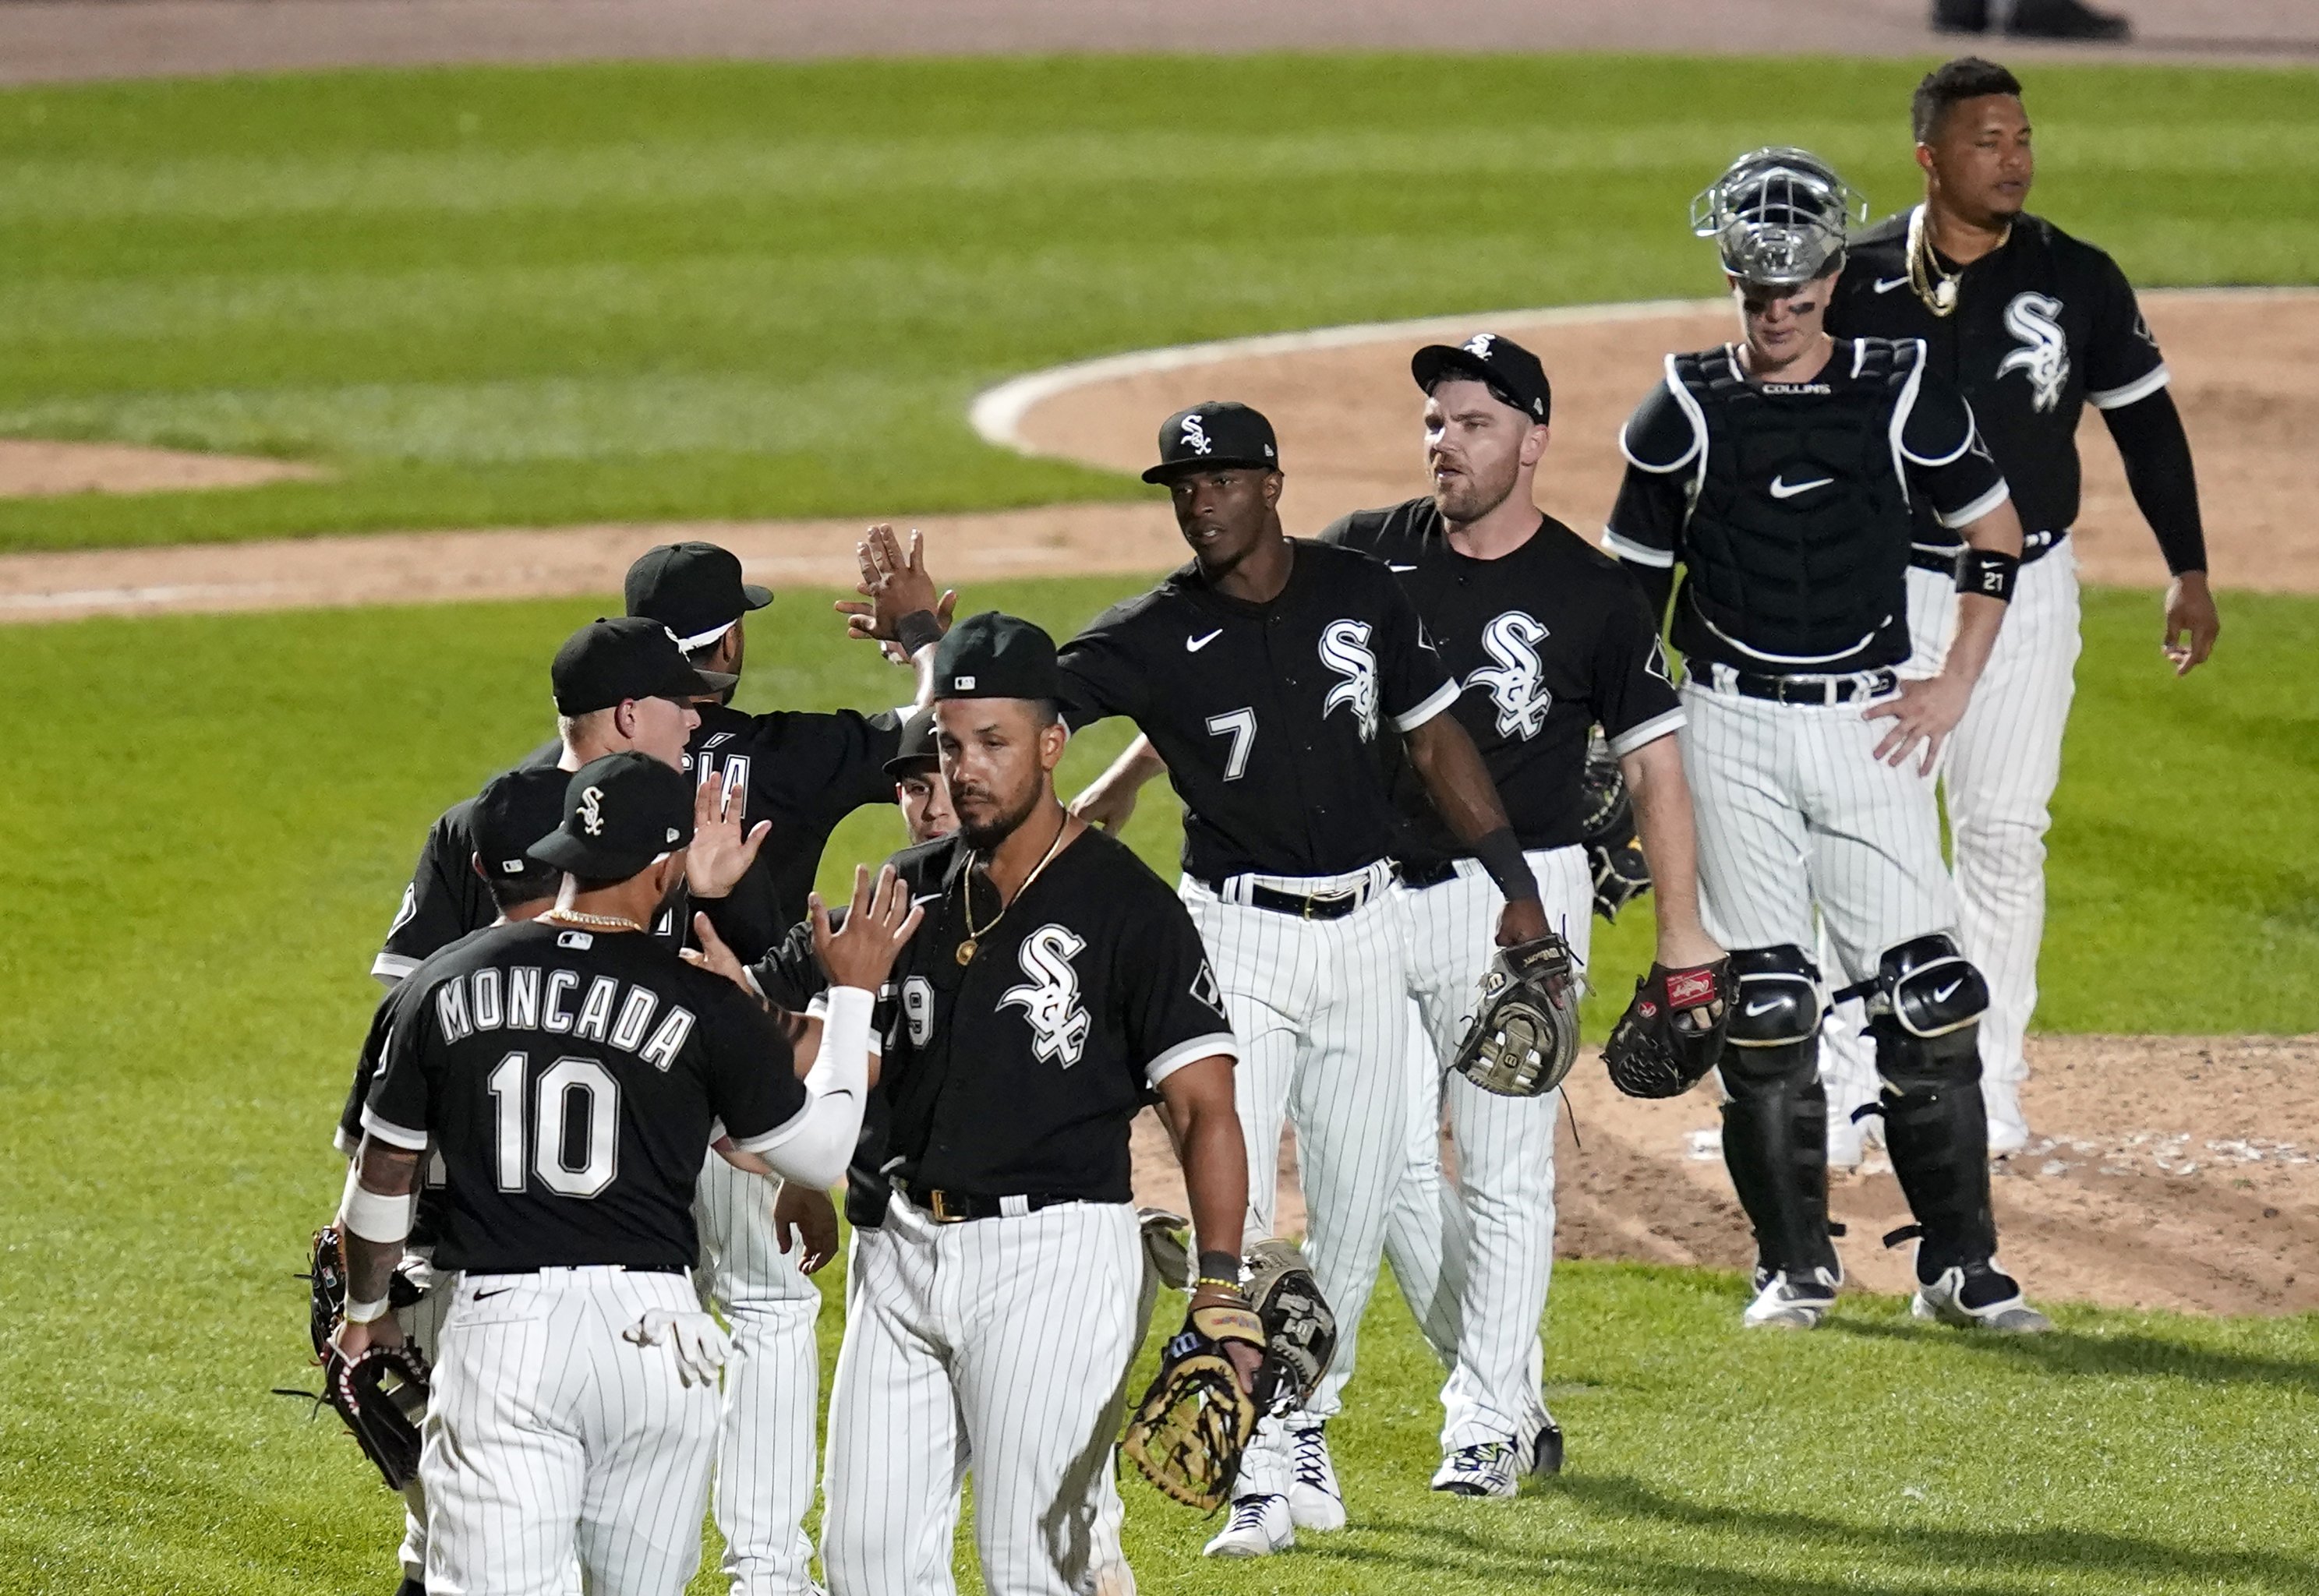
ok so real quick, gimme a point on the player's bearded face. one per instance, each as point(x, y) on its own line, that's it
point(995, 762)
point(1981, 161)
point(1473, 449)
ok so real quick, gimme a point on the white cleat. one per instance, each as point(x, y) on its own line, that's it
point(1491, 1469)
point(1315, 1500)
point(1790, 1301)
point(1258, 1527)
point(1980, 1298)
point(2008, 1127)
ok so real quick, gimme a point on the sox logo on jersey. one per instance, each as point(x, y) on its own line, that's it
point(1515, 683)
point(2045, 351)
point(1050, 1001)
point(1345, 649)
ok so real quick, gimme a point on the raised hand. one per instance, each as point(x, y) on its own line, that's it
point(878, 926)
point(895, 583)
point(720, 855)
point(713, 956)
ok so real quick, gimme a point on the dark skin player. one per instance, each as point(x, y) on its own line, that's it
point(1979, 164)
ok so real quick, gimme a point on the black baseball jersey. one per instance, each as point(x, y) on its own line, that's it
point(1543, 643)
point(1268, 715)
point(2045, 324)
point(444, 898)
point(1789, 504)
point(426, 1223)
point(1017, 1073)
point(570, 1082)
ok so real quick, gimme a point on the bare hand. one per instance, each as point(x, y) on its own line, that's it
point(895, 583)
point(2190, 610)
point(878, 926)
point(720, 855)
point(1107, 804)
point(1523, 922)
point(713, 956)
point(1924, 711)
point(812, 1217)
point(352, 1340)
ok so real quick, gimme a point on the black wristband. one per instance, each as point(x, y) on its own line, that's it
point(916, 630)
point(1500, 855)
point(1219, 1266)
point(1989, 573)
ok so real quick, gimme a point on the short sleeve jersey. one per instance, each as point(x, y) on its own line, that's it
point(1543, 643)
point(1017, 1072)
point(444, 898)
point(571, 1083)
point(2044, 325)
point(1269, 716)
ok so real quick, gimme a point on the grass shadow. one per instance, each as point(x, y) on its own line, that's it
point(2067, 1352)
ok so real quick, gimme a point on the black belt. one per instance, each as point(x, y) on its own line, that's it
point(628, 1268)
point(1424, 875)
point(1942, 561)
point(950, 1208)
point(1320, 906)
point(1815, 690)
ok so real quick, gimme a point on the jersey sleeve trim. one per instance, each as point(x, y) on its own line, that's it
point(391, 968)
point(1650, 731)
point(1978, 507)
point(2141, 387)
point(1215, 1044)
point(1900, 411)
point(1627, 548)
point(1435, 702)
point(343, 1143)
point(392, 1134)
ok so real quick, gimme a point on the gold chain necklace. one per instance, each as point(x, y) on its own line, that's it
point(1930, 281)
point(601, 921)
point(975, 933)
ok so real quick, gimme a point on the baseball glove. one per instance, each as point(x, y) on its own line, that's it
point(1300, 1329)
point(1189, 1431)
point(1525, 1032)
point(382, 1395)
point(1671, 1034)
point(1607, 832)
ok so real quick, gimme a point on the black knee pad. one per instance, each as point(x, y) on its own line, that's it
point(1776, 999)
point(1928, 987)
point(1775, 1126)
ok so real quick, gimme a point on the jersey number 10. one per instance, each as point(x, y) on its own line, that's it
point(567, 1164)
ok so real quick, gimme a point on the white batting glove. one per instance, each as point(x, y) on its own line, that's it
point(700, 1343)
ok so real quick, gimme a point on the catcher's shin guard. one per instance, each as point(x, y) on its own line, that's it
point(1776, 1125)
point(1924, 1006)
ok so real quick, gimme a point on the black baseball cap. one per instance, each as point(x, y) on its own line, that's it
point(606, 662)
point(693, 589)
point(1513, 373)
point(512, 813)
point(916, 754)
point(993, 655)
point(1219, 432)
point(620, 812)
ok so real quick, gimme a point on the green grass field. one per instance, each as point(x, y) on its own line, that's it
point(628, 292)
point(535, 296)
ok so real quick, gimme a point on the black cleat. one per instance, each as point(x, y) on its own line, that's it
point(2065, 19)
point(410, 1587)
point(1545, 1457)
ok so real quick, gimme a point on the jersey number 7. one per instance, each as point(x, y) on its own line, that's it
point(1239, 725)
point(549, 1149)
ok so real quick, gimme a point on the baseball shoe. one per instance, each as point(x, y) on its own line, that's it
point(1258, 1527)
point(410, 1587)
point(2008, 1127)
point(1790, 1301)
point(1546, 1455)
point(2065, 19)
point(1315, 1500)
point(1979, 1296)
point(1491, 1468)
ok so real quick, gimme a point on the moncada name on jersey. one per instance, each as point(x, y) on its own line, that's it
point(522, 999)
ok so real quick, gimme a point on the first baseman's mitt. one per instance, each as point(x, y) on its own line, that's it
point(381, 1395)
point(1190, 1429)
point(1671, 1034)
point(1607, 832)
point(1525, 1033)
point(1300, 1329)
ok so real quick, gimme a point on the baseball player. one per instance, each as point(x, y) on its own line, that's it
point(512, 813)
point(2032, 325)
point(1055, 983)
point(1265, 672)
point(568, 1073)
point(1544, 637)
point(1781, 470)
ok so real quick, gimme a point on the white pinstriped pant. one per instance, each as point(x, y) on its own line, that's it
point(1998, 773)
point(421, 1324)
point(1795, 813)
point(558, 1453)
point(764, 1443)
point(1476, 1262)
point(1320, 1009)
point(998, 1345)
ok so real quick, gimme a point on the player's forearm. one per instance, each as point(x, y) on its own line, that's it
point(375, 1217)
point(1446, 760)
point(1663, 823)
point(1135, 767)
point(816, 1145)
point(1215, 1174)
point(1979, 615)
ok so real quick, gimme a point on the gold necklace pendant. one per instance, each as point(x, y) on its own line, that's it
point(966, 952)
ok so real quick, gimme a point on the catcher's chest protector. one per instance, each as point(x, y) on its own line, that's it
point(1809, 574)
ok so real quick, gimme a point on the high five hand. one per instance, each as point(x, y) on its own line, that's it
point(879, 924)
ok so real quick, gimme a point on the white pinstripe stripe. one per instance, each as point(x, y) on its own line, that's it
point(1476, 1262)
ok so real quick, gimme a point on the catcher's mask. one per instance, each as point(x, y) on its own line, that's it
point(1778, 217)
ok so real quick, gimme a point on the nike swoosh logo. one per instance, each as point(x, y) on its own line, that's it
point(1193, 645)
point(1755, 1009)
point(482, 1296)
point(1943, 995)
point(1784, 489)
point(1886, 285)
point(1389, 565)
